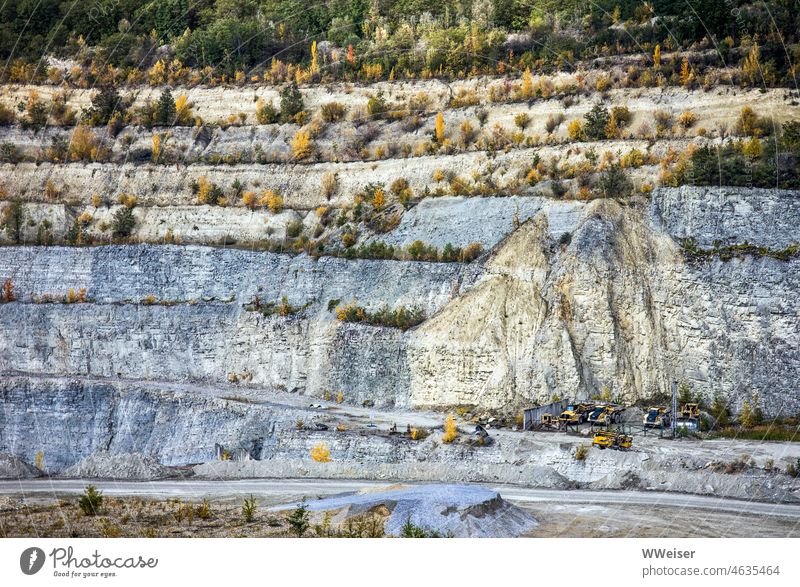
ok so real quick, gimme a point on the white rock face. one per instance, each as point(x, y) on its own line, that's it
point(461, 221)
point(619, 306)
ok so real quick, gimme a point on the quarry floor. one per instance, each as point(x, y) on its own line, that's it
point(48, 508)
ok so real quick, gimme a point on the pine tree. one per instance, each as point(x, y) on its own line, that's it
point(298, 519)
point(165, 110)
point(291, 101)
point(720, 411)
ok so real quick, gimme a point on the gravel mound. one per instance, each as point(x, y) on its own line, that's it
point(102, 465)
point(451, 510)
point(13, 468)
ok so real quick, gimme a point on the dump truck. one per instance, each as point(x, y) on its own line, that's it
point(575, 414)
point(610, 439)
point(606, 414)
point(657, 417)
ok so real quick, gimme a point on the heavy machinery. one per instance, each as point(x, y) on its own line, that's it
point(690, 412)
point(657, 417)
point(548, 420)
point(606, 414)
point(610, 439)
point(575, 414)
point(689, 417)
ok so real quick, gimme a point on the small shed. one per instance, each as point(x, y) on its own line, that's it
point(532, 416)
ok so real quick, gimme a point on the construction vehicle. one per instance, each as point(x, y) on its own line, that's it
point(688, 417)
point(575, 414)
point(548, 420)
point(606, 414)
point(690, 412)
point(657, 417)
point(604, 439)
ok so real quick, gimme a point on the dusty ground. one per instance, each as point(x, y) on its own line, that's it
point(146, 517)
point(634, 521)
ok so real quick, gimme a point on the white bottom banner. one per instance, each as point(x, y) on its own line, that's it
point(388, 562)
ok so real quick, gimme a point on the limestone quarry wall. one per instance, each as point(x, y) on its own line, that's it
point(619, 306)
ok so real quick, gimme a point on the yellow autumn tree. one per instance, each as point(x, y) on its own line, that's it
point(249, 199)
point(686, 73)
point(183, 110)
point(84, 146)
point(378, 199)
point(526, 90)
point(440, 127)
point(314, 66)
point(157, 73)
point(751, 67)
point(450, 429)
point(657, 57)
point(156, 147)
point(301, 145)
point(575, 130)
point(272, 200)
point(321, 453)
point(746, 414)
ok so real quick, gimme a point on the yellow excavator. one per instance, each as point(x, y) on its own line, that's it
point(610, 439)
point(575, 414)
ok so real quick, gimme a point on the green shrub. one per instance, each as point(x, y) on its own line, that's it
point(596, 121)
point(266, 113)
point(298, 519)
point(614, 182)
point(376, 106)
point(291, 102)
point(249, 508)
point(91, 501)
point(332, 111)
point(204, 510)
point(411, 530)
point(402, 318)
point(165, 109)
point(123, 223)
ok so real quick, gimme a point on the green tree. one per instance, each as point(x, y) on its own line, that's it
point(91, 501)
point(123, 222)
point(104, 104)
point(684, 394)
point(291, 101)
point(298, 519)
point(596, 122)
point(614, 182)
point(720, 411)
point(165, 110)
point(249, 508)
